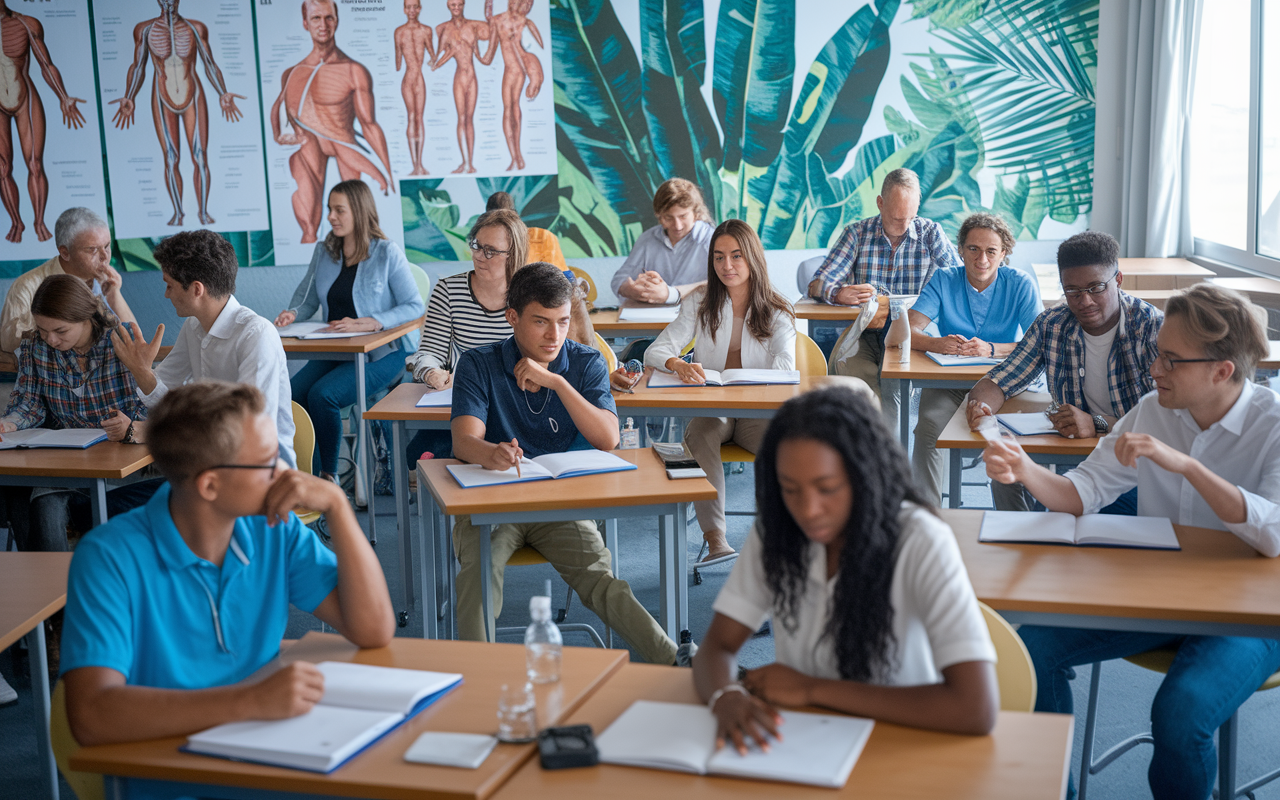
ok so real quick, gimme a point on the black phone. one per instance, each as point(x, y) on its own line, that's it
point(567, 747)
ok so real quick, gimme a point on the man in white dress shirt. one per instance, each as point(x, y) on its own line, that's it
point(1203, 448)
point(221, 339)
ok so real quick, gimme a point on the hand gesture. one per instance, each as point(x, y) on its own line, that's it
point(124, 113)
point(950, 345)
point(353, 326)
point(285, 318)
point(688, 373)
point(1073, 423)
point(1132, 446)
point(855, 295)
point(1005, 459)
point(135, 352)
point(976, 413)
point(740, 717)
point(648, 287)
point(229, 109)
point(116, 425)
point(504, 455)
point(532, 376)
point(437, 378)
point(289, 692)
point(7, 427)
point(620, 379)
point(108, 279)
point(293, 489)
point(976, 347)
point(71, 116)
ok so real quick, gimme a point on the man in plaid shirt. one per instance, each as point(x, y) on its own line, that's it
point(894, 252)
point(1095, 350)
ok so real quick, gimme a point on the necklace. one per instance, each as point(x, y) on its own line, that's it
point(555, 426)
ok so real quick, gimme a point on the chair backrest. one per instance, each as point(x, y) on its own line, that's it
point(805, 271)
point(424, 282)
point(304, 437)
point(610, 360)
point(809, 358)
point(1015, 673)
point(591, 285)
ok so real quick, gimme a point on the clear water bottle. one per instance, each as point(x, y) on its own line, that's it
point(542, 643)
point(629, 438)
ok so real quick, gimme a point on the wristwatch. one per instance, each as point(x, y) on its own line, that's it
point(128, 435)
point(1100, 425)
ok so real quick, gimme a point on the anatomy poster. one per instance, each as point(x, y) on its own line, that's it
point(48, 123)
point(183, 131)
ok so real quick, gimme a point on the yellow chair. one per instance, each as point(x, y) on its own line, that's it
point(1015, 673)
point(591, 284)
point(527, 556)
point(86, 785)
point(1160, 660)
point(610, 358)
point(304, 448)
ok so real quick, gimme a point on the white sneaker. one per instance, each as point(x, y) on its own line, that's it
point(7, 693)
point(685, 654)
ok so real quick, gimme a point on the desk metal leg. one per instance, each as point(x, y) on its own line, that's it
point(486, 580)
point(40, 706)
point(364, 464)
point(668, 577)
point(449, 604)
point(957, 465)
point(401, 481)
point(682, 568)
point(99, 502)
point(611, 542)
point(904, 411)
point(427, 562)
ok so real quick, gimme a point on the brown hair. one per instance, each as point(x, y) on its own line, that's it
point(991, 222)
point(364, 218)
point(1227, 326)
point(682, 193)
point(331, 3)
point(66, 297)
point(499, 200)
point(762, 300)
point(199, 255)
point(199, 425)
point(510, 221)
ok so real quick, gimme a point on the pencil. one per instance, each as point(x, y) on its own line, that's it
point(518, 475)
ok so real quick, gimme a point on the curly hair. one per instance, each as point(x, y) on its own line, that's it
point(860, 622)
point(199, 255)
point(991, 222)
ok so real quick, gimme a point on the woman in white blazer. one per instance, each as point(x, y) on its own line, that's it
point(737, 321)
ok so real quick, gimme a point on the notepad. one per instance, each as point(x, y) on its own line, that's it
point(435, 399)
point(543, 468)
point(70, 438)
point(729, 377)
point(946, 360)
point(1091, 530)
point(816, 749)
point(466, 750)
point(1029, 423)
point(648, 313)
point(361, 704)
point(309, 330)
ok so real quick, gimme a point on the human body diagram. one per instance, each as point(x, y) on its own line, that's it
point(21, 37)
point(173, 44)
point(413, 40)
point(323, 96)
point(520, 69)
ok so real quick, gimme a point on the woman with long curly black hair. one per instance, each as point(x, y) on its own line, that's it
point(873, 612)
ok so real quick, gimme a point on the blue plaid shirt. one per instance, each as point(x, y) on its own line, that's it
point(863, 255)
point(51, 391)
point(1055, 345)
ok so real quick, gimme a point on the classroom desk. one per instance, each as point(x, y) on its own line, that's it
point(1046, 449)
point(742, 402)
point(824, 315)
point(1272, 361)
point(355, 349)
point(922, 372)
point(1265, 291)
point(33, 586)
point(61, 468)
point(1156, 297)
point(1161, 273)
point(1026, 757)
point(607, 324)
point(381, 771)
point(1215, 585)
point(644, 492)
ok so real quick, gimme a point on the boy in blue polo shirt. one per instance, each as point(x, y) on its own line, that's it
point(536, 393)
point(172, 603)
point(978, 309)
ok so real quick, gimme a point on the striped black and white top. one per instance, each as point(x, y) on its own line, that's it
point(455, 323)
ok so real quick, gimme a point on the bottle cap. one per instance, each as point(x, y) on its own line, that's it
point(630, 424)
point(539, 604)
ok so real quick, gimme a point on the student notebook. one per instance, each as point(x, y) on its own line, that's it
point(310, 330)
point(1027, 423)
point(674, 456)
point(946, 360)
point(1090, 530)
point(543, 468)
point(729, 377)
point(435, 399)
point(648, 313)
point(817, 749)
point(360, 705)
point(71, 438)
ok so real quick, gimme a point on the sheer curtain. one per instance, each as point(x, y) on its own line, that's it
point(1159, 75)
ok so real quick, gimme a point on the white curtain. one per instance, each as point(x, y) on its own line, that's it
point(1159, 77)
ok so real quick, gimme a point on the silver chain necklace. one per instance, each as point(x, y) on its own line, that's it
point(555, 427)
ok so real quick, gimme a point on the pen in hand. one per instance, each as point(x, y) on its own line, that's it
point(516, 444)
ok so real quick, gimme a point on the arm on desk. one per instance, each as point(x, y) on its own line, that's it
point(740, 716)
point(1007, 462)
point(985, 400)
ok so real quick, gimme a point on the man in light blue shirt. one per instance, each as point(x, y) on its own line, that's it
point(979, 309)
point(171, 604)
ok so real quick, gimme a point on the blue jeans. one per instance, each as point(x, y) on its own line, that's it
point(1210, 678)
point(324, 388)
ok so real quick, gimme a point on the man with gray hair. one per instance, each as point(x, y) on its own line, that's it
point(894, 252)
point(84, 250)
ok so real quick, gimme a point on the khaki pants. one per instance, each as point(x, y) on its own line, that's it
point(928, 463)
point(578, 553)
point(865, 364)
point(703, 436)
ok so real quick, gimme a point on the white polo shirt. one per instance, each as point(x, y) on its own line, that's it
point(936, 618)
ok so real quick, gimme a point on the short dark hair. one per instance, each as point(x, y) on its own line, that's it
point(1089, 249)
point(197, 426)
point(499, 200)
point(199, 255)
point(540, 283)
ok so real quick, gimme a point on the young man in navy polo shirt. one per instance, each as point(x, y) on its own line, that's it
point(537, 393)
point(170, 604)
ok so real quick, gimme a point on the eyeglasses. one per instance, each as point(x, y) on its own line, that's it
point(1169, 364)
point(993, 253)
point(488, 251)
point(93, 251)
point(1093, 288)
point(275, 463)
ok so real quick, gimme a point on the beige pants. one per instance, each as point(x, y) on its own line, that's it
point(928, 463)
point(865, 364)
point(578, 553)
point(703, 436)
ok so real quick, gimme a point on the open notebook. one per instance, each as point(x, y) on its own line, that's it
point(73, 438)
point(947, 360)
point(360, 705)
point(729, 377)
point(631, 313)
point(310, 330)
point(1027, 423)
point(1096, 530)
point(543, 468)
point(817, 749)
point(435, 398)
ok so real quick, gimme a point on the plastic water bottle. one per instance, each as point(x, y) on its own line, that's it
point(542, 643)
point(629, 439)
point(899, 331)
